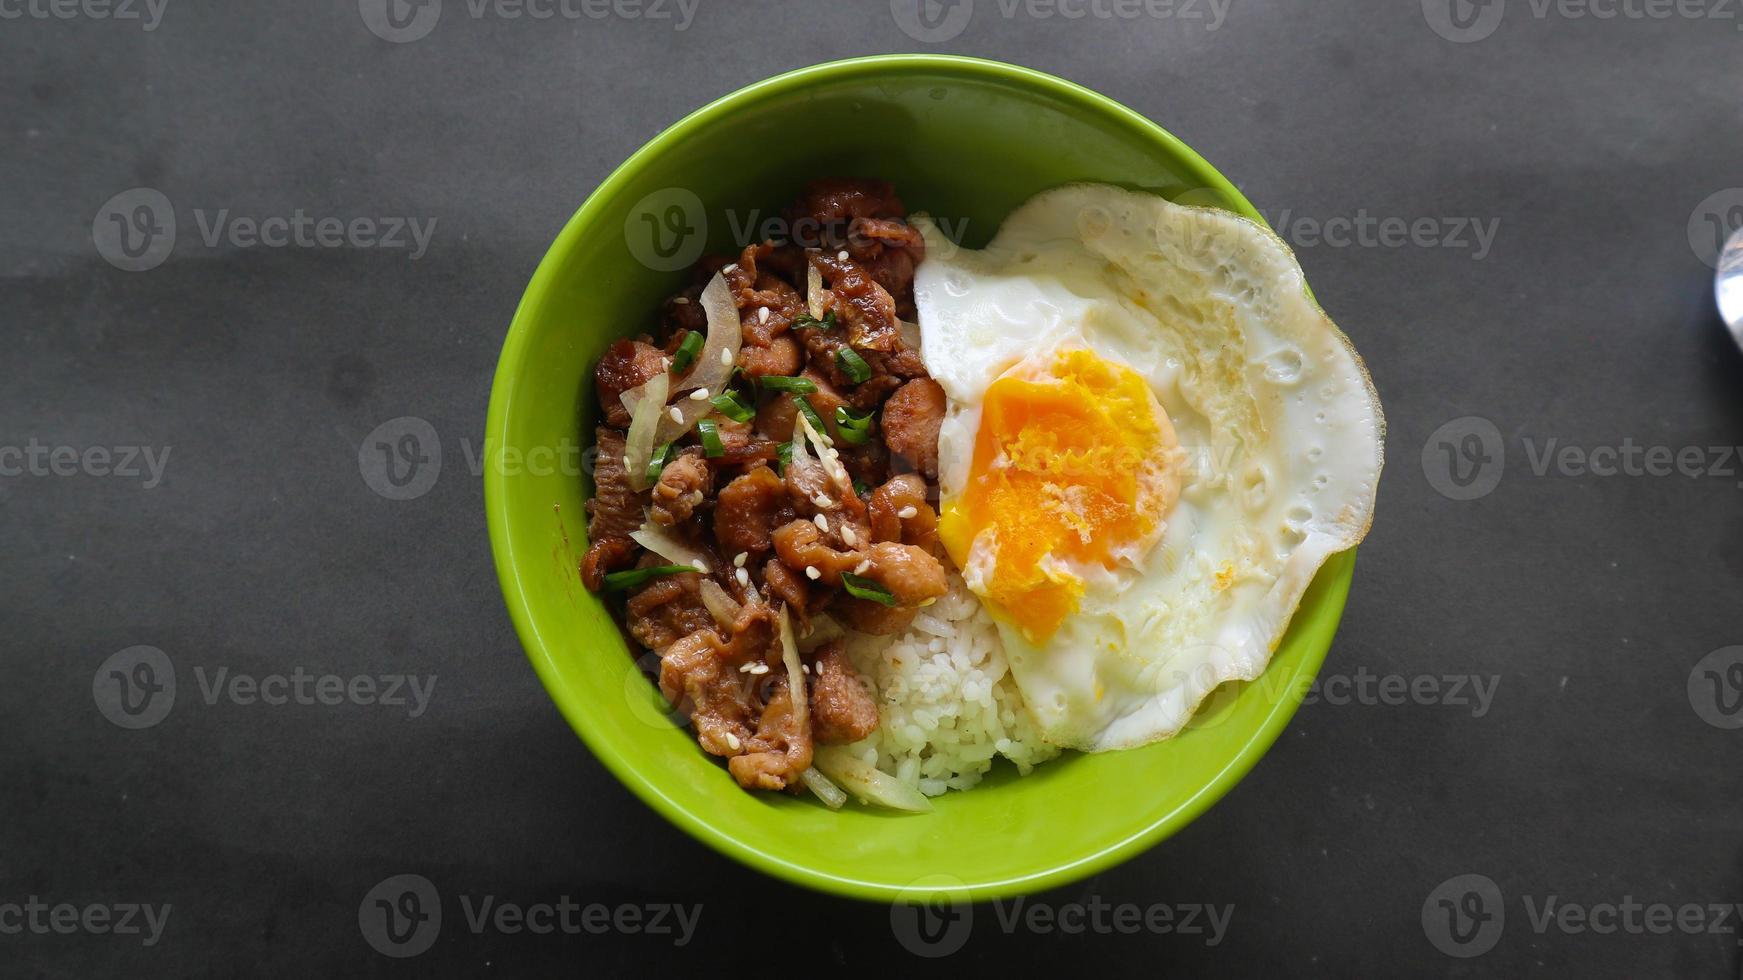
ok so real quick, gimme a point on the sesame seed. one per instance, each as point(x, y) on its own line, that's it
point(699, 395)
point(725, 357)
point(745, 668)
point(812, 573)
point(676, 415)
point(729, 267)
point(626, 462)
point(908, 512)
point(742, 576)
point(805, 668)
point(841, 256)
point(822, 501)
point(821, 522)
point(738, 560)
point(848, 536)
point(762, 314)
point(700, 566)
point(681, 301)
point(733, 742)
point(760, 669)
point(862, 567)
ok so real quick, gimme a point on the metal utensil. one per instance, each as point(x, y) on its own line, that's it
point(1728, 285)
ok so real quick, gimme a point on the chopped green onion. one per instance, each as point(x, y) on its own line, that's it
point(731, 405)
point(860, 488)
point(853, 427)
point(662, 456)
point(798, 386)
point(710, 433)
point(864, 588)
point(617, 581)
point(687, 351)
point(783, 457)
point(852, 365)
point(811, 413)
point(808, 322)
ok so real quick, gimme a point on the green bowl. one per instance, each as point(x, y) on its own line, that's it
point(966, 140)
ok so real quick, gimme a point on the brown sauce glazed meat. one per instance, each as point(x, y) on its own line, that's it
point(776, 530)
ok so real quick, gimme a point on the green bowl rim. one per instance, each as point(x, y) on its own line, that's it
point(496, 500)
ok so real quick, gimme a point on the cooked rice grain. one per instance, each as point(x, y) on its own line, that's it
point(948, 706)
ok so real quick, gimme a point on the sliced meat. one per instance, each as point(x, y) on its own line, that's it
point(843, 708)
point(626, 364)
point(748, 510)
point(803, 546)
point(781, 356)
point(868, 462)
point(871, 617)
point(826, 209)
point(900, 512)
point(695, 679)
point(785, 585)
point(606, 556)
point(858, 301)
point(911, 421)
point(909, 573)
point(614, 511)
point(889, 249)
point(667, 609)
point(684, 483)
point(779, 751)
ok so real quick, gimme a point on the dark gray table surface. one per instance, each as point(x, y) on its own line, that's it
point(1513, 220)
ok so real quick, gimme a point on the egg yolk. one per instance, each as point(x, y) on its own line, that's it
point(1074, 463)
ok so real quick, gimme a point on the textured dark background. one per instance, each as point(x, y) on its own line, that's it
point(1593, 147)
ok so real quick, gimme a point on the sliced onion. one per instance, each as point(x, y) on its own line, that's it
point(725, 333)
point(795, 674)
point(661, 542)
point(813, 291)
point(638, 446)
point(823, 629)
point(867, 782)
point(826, 455)
point(828, 792)
point(722, 606)
point(910, 332)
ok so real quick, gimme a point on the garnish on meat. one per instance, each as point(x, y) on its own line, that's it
point(768, 455)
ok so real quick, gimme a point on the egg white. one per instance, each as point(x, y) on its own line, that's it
point(1280, 428)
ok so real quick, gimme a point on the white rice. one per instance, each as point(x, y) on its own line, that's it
point(947, 704)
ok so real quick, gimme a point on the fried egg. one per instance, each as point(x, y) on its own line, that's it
point(1154, 439)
